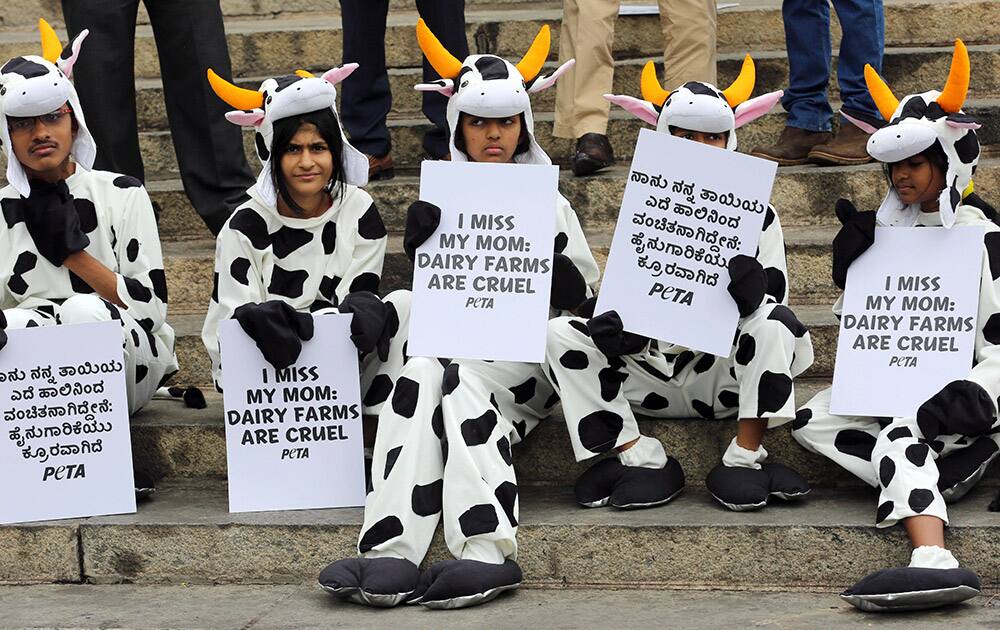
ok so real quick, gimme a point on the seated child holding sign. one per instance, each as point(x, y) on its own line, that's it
point(78, 245)
point(605, 374)
point(930, 150)
point(444, 441)
point(308, 240)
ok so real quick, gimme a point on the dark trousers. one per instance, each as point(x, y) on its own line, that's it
point(190, 38)
point(365, 96)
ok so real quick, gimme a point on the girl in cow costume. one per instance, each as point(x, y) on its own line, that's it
point(308, 241)
point(920, 463)
point(605, 374)
point(444, 442)
point(78, 245)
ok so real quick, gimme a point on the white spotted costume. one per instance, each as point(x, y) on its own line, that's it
point(114, 212)
point(601, 394)
point(444, 441)
point(313, 263)
point(917, 470)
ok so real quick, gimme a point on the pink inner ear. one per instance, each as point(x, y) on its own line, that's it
point(643, 110)
point(963, 125)
point(245, 119)
point(447, 89)
point(756, 107)
point(544, 83)
point(66, 65)
point(860, 124)
point(336, 75)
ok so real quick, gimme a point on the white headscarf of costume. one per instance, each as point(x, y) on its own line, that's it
point(916, 123)
point(32, 86)
point(699, 106)
point(490, 86)
point(282, 97)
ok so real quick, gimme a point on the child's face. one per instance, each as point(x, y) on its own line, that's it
point(917, 180)
point(490, 139)
point(42, 143)
point(307, 164)
point(711, 139)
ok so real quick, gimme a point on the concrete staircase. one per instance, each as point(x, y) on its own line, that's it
point(186, 535)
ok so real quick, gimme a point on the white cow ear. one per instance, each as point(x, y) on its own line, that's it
point(756, 107)
point(445, 87)
point(70, 53)
point(643, 110)
point(543, 83)
point(336, 75)
point(251, 118)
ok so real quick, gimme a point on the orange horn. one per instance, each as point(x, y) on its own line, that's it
point(237, 97)
point(51, 47)
point(652, 91)
point(305, 74)
point(953, 95)
point(884, 99)
point(531, 64)
point(437, 55)
point(742, 87)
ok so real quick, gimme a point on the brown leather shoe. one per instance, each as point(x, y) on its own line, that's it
point(380, 168)
point(793, 146)
point(849, 147)
point(593, 152)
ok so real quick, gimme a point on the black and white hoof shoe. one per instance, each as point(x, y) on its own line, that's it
point(640, 487)
point(380, 582)
point(961, 470)
point(912, 588)
point(739, 489)
point(144, 485)
point(462, 583)
point(785, 483)
point(593, 488)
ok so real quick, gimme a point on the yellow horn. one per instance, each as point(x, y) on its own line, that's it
point(305, 74)
point(652, 91)
point(51, 48)
point(953, 95)
point(742, 87)
point(437, 55)
point(237, 97)
point(531, 63)
point(884, 99)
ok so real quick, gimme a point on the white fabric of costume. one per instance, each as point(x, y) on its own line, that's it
point(117, 216)
point(311, 264)
point(892, 453)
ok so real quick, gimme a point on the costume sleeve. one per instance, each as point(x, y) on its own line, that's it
point(771, 255)
point(986, 369)
point(141, 283)
point(237, 282)
point(364, 273)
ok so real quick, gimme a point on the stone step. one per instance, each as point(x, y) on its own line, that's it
point(264, 45)
point(186, 535)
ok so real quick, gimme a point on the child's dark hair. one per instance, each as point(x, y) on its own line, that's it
point(523, 142)
point(725, 134)
point(329, 129)
point(934, 154)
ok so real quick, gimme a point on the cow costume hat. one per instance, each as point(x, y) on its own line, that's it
point(923, 462)
point(32, 86)
point(282, 97)
point(603, 383)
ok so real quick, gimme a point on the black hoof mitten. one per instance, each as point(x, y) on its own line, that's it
point(463, 583)
point(593, 488)
point(380, 582)
point(144, 485)
point(640, 487)
point(912, 588)
point(961, 470)
point(785, 483)
point(739, 489)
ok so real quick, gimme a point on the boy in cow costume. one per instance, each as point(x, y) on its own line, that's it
point(309, 240)
point(444, 442)
point(920, 463)
point(605, 375)
point(78, 245)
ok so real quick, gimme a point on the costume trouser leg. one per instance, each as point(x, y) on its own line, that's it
point(587, 34)
point(488, 406)
point(377, 376)
point(689, 41)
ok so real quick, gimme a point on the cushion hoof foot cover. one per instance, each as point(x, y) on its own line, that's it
point(453, 584)
point(912, 588)
point(381, 582)
point(609, 482)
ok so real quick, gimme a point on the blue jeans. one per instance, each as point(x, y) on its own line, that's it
point(807, 38)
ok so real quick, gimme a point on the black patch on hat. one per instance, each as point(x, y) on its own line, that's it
point(286, 80)
point(700, 88)
point(492, 67)
point(24, 67)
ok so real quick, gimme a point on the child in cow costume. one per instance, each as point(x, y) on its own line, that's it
point(920, 463)
point(308, 241)
point(444, 441)
point(605, 375)
point(78, 245)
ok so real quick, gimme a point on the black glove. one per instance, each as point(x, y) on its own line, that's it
point(960, 408)
point(569, 288)
point(586, 308)
point(53, 222)
point(422, 219)
point(747, 283)
point(368, 327)
point(3, 330)
point(277, 329)
point(857, 233)
point(610, 337)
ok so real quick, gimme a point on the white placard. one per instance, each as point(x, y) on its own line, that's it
point(293, 437)
point(688, 208)
point(66, 449)
point(908, 322)
point(481, 281)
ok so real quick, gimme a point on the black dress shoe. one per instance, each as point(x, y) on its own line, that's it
point(593, 152)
